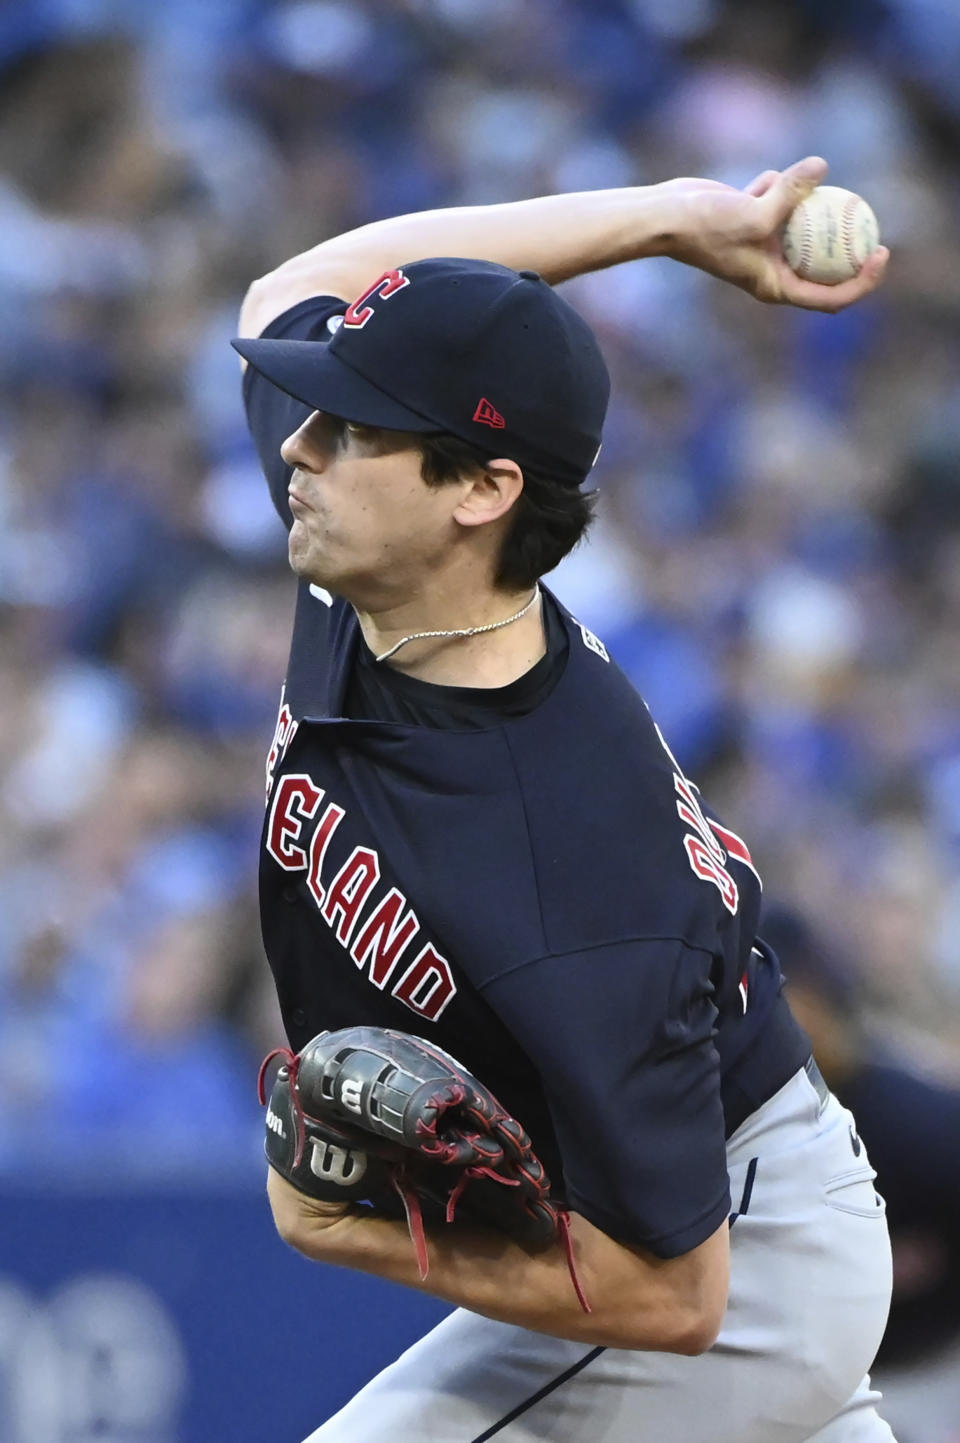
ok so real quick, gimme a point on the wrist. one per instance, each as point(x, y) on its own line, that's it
point(665, 219)
point(301, 1220)
point(317, 1237)
point(634, 223)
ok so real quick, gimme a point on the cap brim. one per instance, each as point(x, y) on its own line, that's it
point(310, 372)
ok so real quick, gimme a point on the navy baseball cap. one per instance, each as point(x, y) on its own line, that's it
point(466, 347)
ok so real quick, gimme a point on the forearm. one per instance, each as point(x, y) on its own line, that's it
point(635, 1299)
point(558, 235)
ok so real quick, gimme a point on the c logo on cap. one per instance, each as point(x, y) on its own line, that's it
point(358, 313)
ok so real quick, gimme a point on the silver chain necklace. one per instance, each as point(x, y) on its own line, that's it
point(466, 631)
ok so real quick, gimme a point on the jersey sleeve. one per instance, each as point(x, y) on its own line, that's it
point(622, 1037)
point(272, 415)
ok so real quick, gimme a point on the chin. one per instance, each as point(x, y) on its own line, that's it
point(309, 564)
point(303, 560)
point(306, 568)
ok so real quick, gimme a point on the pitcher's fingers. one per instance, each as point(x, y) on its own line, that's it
point(815, 297)
point(790, 187)
point(762, 182)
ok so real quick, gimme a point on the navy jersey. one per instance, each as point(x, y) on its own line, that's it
point(539, 890)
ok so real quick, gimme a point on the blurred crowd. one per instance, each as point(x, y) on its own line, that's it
point(777, 563)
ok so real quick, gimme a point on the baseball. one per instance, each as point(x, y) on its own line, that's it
point(830, 235)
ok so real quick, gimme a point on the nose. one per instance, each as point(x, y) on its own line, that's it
point(300, 449)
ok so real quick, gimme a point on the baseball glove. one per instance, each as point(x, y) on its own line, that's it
point(367, 1114)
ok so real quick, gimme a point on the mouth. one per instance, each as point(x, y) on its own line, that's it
point(296, 502)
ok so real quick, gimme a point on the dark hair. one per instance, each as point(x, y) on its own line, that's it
point(549, 516)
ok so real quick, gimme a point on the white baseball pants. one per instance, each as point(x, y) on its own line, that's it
point(809, 1293)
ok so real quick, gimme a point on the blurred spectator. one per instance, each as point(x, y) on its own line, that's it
point(907, 1108)
point(909, 1120)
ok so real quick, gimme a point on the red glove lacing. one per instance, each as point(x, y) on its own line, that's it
point(405, 1189)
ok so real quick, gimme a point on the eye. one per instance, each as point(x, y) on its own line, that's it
point(354, 433)
point(343, 432)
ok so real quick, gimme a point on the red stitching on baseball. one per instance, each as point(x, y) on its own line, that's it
point(806, 243)
point(849, 211)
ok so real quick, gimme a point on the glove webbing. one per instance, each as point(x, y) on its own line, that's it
point(405, 1189)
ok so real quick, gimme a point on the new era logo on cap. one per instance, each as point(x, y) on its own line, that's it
point(488, 415)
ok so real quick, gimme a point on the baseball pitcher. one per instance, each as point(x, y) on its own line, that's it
point(539, 1061)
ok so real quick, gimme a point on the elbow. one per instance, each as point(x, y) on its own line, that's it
point(701, 1296)
point(698, 1316)
point(688, 1326)
point(271, 294)
point(696, 1334)
point(258, 302)
point(689, 1334)
point(296, 280)
point(650, 1304)
point(258, 290)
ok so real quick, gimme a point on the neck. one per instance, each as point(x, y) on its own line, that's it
point(489, 658)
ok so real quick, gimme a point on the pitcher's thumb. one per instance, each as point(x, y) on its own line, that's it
point(792, 186)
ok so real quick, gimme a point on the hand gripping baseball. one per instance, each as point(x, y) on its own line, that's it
point(738, 236)
point(370, 1114)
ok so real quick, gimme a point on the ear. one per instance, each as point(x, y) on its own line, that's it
point(491, 494)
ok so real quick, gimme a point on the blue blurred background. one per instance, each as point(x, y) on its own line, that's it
point(777, 566)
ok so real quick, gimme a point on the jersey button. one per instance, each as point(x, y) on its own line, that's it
point(290, 894)
point(298, 1017)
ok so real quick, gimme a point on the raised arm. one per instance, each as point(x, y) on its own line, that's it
point(732, 234)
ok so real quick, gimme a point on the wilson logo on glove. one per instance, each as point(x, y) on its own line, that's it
point(341, 1165)
point(389, 1116)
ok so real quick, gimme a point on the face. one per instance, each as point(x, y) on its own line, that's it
point(365, 525)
